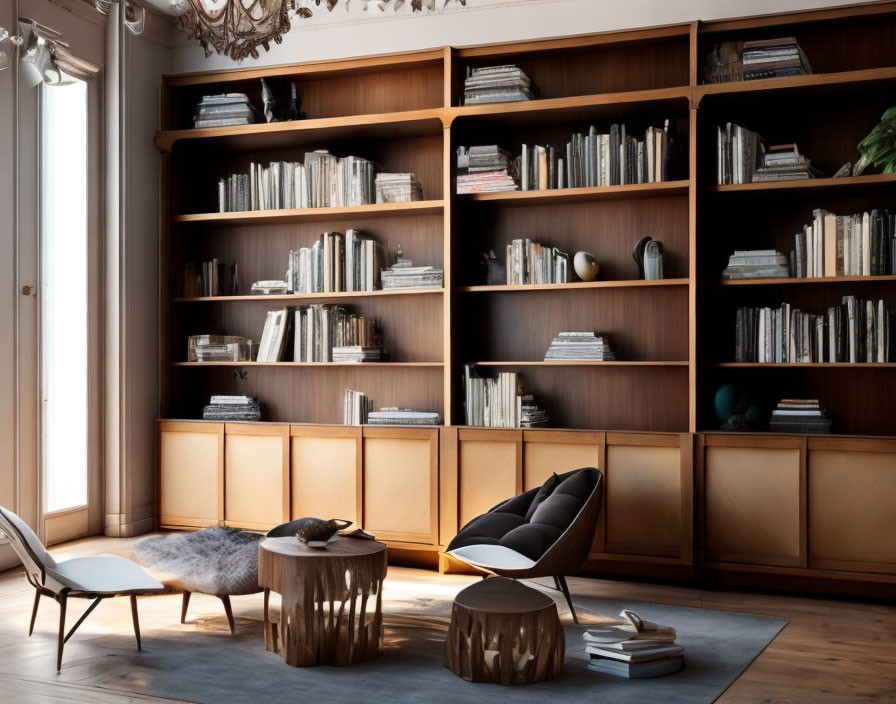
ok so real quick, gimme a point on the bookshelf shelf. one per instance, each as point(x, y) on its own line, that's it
point(574, 286)
point(814, 185)
point(806, 365)
point(318, 297)
point(301, 215)
point(354, 365)
point(582, 363)
point(815, 280)
point(820, 82)
point(573, 195)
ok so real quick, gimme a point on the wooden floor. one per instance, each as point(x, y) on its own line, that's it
point(831, 651)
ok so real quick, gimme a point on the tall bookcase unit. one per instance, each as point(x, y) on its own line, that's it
point(683, 500)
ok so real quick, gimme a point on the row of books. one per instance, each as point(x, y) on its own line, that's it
point(580, 345)
point(500, 401)
point(634, 648)
point(335, 262)
point(497, 84)
point(220, 348)
point(742, 157)
point(232, 408)
point(356, 406)
point(862, 244)
point(211, 278)
point(321, 330)
point(764, 58)
point(530, 262)
point(800, 415)
point(855, 331)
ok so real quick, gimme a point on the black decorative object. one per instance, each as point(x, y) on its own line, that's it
point(316, 531)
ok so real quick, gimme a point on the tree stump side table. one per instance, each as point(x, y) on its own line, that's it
point(505, 632)
point(331, 610)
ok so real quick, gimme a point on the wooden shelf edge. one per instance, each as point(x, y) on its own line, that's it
point(806, 81)
point(788, 281)
point(807, 184)
point(260, 217)
point(396, 365)
point(255, 298)
point(573, 285)
point(561, 195)
point(582, 363)
point(805, 365)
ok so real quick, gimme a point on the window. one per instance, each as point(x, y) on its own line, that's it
point(64, 294)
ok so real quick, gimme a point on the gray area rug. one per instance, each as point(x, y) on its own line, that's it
point(199, 663)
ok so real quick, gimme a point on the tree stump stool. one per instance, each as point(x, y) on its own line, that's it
point(505, 632)
point(331, 608)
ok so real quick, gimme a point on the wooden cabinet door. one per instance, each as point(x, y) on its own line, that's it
point(256, 475)
point(401, 484)
point(546, 452)
point(191, 474)
point(326, 472)
point(648, 495)
point(489, 470)
point(852, 504)
point(753, 490)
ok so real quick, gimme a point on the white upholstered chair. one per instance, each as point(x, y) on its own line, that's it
point(98, 577)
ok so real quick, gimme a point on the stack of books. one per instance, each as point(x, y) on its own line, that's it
point(357, 353)
point(403, 416)
point(756, 264)
point(356, 406)
point(783, 162)
point(335, 262)
point(400, 277)
point(529, 262)
point(580, 345)
point(224, 110)
point(863, 244)
point(497, 84)
point(321, 328)
point(218, 348)
point(231, 408)
point(799, 415)
point(771, 58)
point(273, 337)
point(500, 402)
point(634, 649)
point(739, 151)
point(485, 169)
point(397, 188)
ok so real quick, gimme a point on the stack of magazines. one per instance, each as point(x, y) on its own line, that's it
point(402, 416)
point(581, 346)
point(230, 408)
point(224, 110)
point(397, 188)
point(634, 648)
point(218, 348)
point(771, 58)
point(800, 415)
point(497, 84)
point(357, 353)
point(485, 169)
point(756, 264)
point(783, 162)
point(403, 274)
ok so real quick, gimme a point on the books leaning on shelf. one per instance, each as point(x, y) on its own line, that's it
point(230, 408)
point(772, 58)
point(497, 84)
point(397, 188)
point(742, 157)
point(500, 402)
point(212, 278)
point(336, 262)
point(321, 328)
point(634, 648)
point(356, 406)
point(273, 337)
point(403, 416)
point(863, 244)
point(485, 169)
point(224, 110)
point(798, 415)
point(856, 331)
point(756, 264)
point(579, 345)
point(218, 348)
point(529, 262)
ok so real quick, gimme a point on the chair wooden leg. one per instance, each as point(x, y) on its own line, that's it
point(184, 606)
point(62, 599)
point(226, 600)
point(34, 611)
point(565, 588)
point(81, 620)
point(136, 620)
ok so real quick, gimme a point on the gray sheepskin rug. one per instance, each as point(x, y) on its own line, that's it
point(212, 561)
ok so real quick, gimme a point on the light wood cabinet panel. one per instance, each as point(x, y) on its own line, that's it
point(326, 473)
point(256, 475)
point(489, 470)
point(546, 452)
point(852, 509)
point(401, 483)
point(753, 498)
point(191, 474)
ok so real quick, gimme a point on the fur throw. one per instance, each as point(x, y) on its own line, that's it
point(212, 561)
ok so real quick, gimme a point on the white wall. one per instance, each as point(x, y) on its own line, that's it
point(340, 34)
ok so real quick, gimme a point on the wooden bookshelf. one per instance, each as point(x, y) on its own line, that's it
point(297, 215)
point(809, 281)
point(817, 185)
point(320, 297)
point(571, 286)
point(573, 195)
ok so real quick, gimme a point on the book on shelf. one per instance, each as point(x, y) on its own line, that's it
point(274, 335)
point(856, 331)
point(497, 84)
point(485, 169)
point(224, 110)
point(861, 244)
point(232, 408)
point(336, 262)
point(356, 406)
point(268, 287)
point(756, 264)
point(356, 353)
point(800, 416)
point(394, 415)
point(219, 348)
point(581, 346)
point(500, 401)
point(772, 58)
point(211, 278)
point(397, 188)
point(403, 274)
point(742, 157)
point(634, 648)
point(321, 328)
point(530, 262)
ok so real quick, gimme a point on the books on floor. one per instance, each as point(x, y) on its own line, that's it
point(232, 408)
point(579, 345)
point(772, 58)
point(857, 331)
point(500, 401)
point(497, 84)
point(394, 415)
point(356, 353)
point(356, 406)
point(218, 348)
point(862, 244)
point(530, 262)
point(756, 264)
point(397, 188)
point(634, 648)
point(273, 336)
point(335, 262)
point(224, 110)
point(485, 169)
point(802, 415)
point(321, 328)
